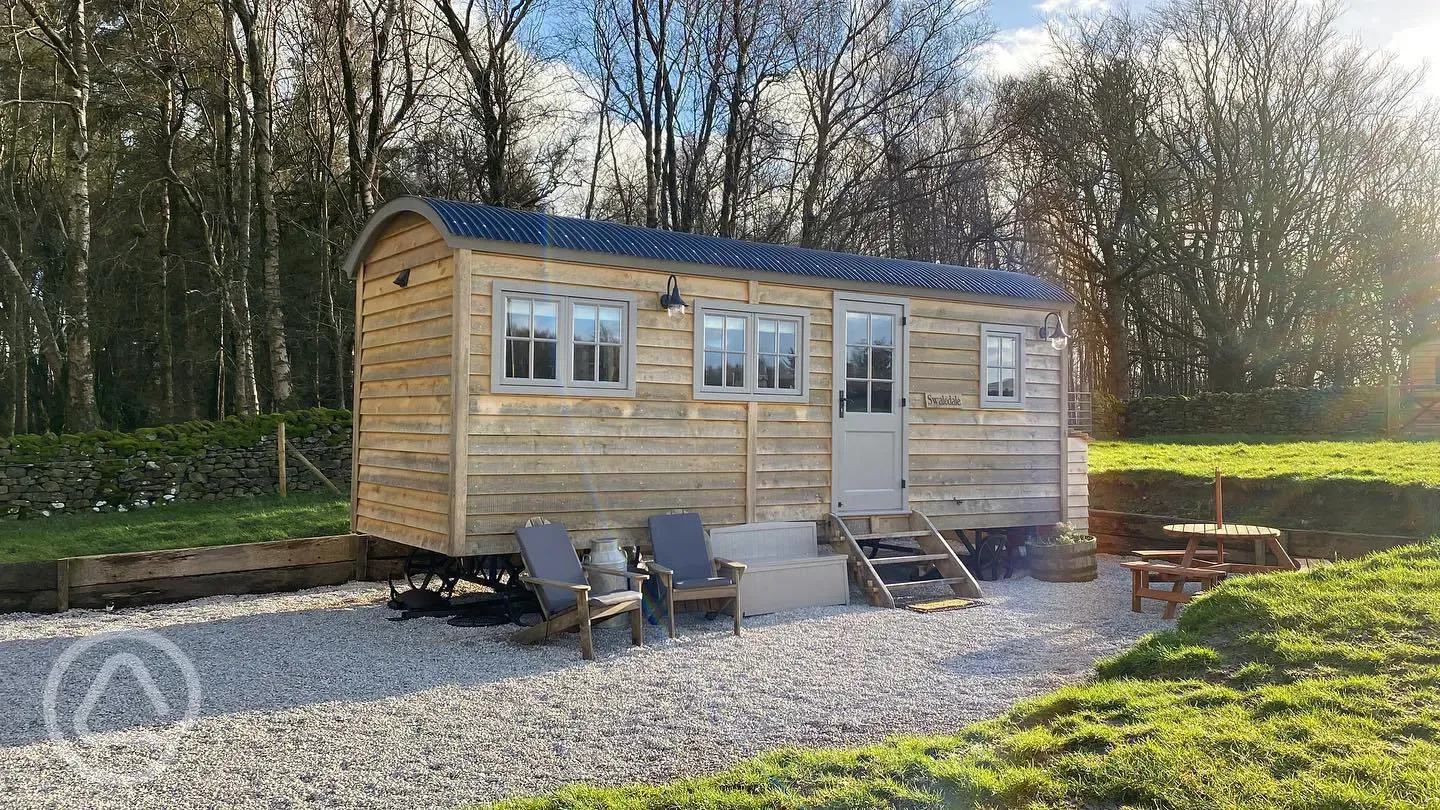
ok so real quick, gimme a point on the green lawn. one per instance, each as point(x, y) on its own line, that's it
point(1317, 690)
point(1288, 457)
point(175, 526)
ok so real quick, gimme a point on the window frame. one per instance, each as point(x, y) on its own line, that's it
point(751, 391)
point(566, 298)
point(1002, 330)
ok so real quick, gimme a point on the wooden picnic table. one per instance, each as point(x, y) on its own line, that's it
point(1265, 540)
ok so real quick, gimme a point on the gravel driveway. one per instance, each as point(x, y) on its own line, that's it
point(314, 700)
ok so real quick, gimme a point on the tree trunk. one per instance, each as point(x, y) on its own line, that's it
point(258, 61)
point(81, 413)
point(167, 209)
point(1116, 380)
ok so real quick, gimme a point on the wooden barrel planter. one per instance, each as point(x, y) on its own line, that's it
point(1063, 562)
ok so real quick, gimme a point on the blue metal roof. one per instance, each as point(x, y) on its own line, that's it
point(546, 230)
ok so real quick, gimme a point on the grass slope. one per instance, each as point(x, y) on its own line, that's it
point(174, 526)
point(1285, 457)
point(1316, 690)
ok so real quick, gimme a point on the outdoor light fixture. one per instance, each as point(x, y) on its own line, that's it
point(670, 300)
point(403, 280)
point(1057, 335)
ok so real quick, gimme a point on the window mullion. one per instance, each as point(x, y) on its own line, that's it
point(565, 337)
point(752, 353)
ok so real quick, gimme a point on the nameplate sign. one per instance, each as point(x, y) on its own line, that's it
point(943, 401)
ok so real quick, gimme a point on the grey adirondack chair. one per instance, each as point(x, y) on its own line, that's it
point(553, 569)
point(686, 570)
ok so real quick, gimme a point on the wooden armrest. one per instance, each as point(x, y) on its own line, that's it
point(658, 569)
point(724, 563)
point(638, 576)
point(577, 588)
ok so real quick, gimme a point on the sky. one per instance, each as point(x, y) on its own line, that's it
point(1408, 28)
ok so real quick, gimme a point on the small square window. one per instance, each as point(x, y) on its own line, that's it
point(1002, 366)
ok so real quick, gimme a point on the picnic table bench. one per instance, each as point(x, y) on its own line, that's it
point(1205, 567)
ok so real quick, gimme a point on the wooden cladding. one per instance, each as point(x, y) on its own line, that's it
point(404, 388)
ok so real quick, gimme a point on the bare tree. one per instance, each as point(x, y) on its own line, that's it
point(69, 43)
point(257, 30)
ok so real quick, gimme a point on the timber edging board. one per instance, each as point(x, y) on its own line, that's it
point(1123, 532)
point(173, 575)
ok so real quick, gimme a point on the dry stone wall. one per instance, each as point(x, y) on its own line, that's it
point(198, 461)
point(1284, 411)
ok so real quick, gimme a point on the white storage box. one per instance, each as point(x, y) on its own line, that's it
point(785, 566)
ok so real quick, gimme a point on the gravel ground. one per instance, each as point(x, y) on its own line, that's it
point(314, 700)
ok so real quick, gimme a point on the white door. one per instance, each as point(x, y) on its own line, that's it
point(869, 417)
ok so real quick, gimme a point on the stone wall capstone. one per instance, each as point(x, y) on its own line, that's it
point(199, 461)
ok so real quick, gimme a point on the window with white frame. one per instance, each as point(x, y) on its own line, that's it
point(555, 340)
point(744, 351)
point(1002, 366)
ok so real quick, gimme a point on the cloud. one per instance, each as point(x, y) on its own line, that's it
point(1048, 7)
point(1414, 46)
point(1017, 51)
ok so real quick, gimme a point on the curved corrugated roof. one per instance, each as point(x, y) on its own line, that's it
point(477, 221)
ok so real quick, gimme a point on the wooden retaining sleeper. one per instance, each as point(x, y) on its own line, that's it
point(174, 575)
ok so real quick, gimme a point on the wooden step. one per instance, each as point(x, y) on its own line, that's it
point(891, 535)
point(909, 558)
point(918, 583)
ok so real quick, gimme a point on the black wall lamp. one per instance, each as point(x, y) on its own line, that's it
point(403, 280)
point(1057, 335)
point(670, 300)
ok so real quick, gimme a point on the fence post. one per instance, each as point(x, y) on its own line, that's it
point(62, 585)
point(280, 453)
point(361, 545)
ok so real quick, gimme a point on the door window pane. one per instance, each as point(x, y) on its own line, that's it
point(857, 328)
point(870, 362)
point(856, 396)
point(880, 364)
point(857, 362)
point(882, 330)
point(879, 397)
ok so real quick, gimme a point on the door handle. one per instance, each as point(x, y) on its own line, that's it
point(842, 403)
